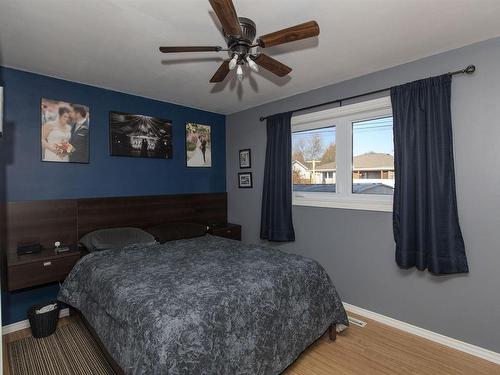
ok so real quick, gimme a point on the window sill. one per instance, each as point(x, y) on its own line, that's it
point(383, 205)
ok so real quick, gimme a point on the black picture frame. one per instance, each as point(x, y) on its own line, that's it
point(116, 134)
point(249, 157)
point(243, 185)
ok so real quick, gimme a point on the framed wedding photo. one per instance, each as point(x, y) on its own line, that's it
point(245, 158)
point(245, 180)
point(198, 145)
point(65, 132)
point(140, 136)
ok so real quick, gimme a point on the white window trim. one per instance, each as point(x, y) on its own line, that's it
point(342, 118)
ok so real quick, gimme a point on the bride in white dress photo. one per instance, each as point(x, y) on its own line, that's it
point(201, 154)
point(198, 145)
point(57, 134)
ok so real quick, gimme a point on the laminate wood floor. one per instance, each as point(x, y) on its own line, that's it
point(376, 349)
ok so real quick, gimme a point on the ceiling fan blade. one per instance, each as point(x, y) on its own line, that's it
point(221, 73)
point(274, 66)
point(226, 13)
point(291, 34)
point(191, 49)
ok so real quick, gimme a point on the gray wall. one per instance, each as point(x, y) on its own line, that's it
point(357, 248)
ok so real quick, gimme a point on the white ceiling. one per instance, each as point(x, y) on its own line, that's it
point(114, 43)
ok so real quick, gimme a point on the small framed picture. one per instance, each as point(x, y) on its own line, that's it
point(245, 180)
point(245, 158)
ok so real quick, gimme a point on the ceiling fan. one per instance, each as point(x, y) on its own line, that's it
point(240, 33)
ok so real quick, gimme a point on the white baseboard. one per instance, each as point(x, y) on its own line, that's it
point(17, 326)
point(429, 335)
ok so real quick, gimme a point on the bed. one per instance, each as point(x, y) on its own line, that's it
point(206, 305)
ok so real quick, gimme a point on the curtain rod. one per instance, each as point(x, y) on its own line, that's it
point(468, 70)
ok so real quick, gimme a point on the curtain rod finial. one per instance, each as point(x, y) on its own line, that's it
point(470, 69)
point(262, 118)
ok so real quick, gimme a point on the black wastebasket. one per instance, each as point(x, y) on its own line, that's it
point(43, 325)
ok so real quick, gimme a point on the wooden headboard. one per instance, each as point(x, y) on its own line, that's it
point(67, 220)
point(147, 211)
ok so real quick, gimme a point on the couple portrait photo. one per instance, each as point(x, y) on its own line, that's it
point(198, 145)
point(65, 132)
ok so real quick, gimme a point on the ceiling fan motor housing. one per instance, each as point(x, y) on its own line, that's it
point(241, 45)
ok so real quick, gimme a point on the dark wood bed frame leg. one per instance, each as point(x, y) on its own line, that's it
point(332, 332)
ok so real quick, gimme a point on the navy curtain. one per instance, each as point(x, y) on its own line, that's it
point(425, 219)
point(276, 217)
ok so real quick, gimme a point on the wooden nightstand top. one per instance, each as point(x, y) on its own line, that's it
point(224, 226)
point(45, 254)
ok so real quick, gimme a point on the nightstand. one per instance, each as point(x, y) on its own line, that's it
point(24, 271)
point(228, 230)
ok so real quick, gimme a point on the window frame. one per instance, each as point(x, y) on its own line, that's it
point(343, 118)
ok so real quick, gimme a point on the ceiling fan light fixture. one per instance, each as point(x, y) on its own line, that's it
point(239, 73)
point(252, 64)
point(233, 62)
point(239, 33)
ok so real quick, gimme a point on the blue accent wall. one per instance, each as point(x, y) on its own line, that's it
point(28, 178)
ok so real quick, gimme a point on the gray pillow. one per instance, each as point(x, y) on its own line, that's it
point(115, 238)
point(177, 231)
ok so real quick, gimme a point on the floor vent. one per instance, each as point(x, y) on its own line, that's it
point(356, 322)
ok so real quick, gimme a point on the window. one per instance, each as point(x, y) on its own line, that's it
point(373, 157)
point(313, 160)
point(344, 157)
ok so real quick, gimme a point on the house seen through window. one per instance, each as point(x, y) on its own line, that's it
point(373, 157)
point(313, 160)
point(314, 164)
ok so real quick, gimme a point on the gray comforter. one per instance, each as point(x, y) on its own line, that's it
point(203, 306)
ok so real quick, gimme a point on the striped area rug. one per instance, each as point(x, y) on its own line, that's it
point(71, 350)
